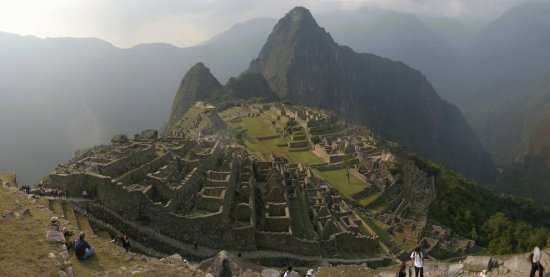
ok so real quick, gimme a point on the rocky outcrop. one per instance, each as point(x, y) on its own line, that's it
point(149, 134)
point(119, 139)
point(304, 65)
point(198, 84)
point(225, 264)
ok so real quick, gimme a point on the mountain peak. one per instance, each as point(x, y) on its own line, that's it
point(299, 14)
point(296, 36)
point(198, 84)
point(296, 20)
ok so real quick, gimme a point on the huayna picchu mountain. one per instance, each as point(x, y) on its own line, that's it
point(304, 65)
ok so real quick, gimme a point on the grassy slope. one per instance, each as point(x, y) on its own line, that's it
point(23, 247)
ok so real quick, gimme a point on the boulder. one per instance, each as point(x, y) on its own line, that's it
point(55, 236)
point(456, 269)
point(270, 272)
point(119, 139)
point(8, 214)
point(518, 264)
point(149, 134)
point(478, 263)
point(176, 258)
point(23, 213)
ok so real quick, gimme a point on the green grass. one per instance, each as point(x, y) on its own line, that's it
point(370, 199)
point(258, 127)
point(338, 179)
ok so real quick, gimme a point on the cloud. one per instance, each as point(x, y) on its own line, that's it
point(184, 23)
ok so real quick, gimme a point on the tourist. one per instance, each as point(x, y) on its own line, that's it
point(125, 242)
point(418, 261)
point(402, 269)
point(288, 272)
point(67, 232)
point(535, 262)
point(82, 248)
point(84, 194)
point(309, 273)
point(54, 223)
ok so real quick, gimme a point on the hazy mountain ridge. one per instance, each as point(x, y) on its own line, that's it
point(62, 94)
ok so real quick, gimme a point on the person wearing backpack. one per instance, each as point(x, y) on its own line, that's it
point(535, 258)
point(418, 261)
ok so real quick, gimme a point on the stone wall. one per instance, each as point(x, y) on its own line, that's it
point(347, 241)
point(210, 199)
point(286, 242)
point(74, 184)
point(207, 230)
point(118, 166)
point(139, 173)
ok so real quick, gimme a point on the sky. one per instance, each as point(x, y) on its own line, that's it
point(184, 23)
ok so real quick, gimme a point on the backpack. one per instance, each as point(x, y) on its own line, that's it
point(530, 257)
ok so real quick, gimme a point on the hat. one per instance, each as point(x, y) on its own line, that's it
point(82, 235)
point(54, 219)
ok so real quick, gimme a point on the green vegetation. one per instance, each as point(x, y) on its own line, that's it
point(504, 224)
point(351, 190)
point(250, 129)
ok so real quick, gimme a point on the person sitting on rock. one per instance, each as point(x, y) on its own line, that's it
point(54, 224)
point(125, 242)
point(82, 248)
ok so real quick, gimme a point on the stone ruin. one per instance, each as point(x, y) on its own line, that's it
point(173, 192)
point(203, 193)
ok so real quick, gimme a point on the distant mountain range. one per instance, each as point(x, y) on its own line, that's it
point(495, 72)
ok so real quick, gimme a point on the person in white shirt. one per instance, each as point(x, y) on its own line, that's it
point(418, 260)
point(535, 263)
point(288, 272)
